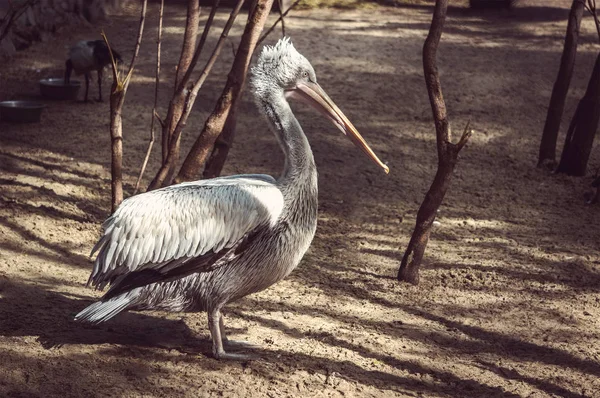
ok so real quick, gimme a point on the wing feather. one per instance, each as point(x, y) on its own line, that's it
point(166, 228)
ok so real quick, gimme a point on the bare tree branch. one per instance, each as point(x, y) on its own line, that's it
point(218, 156)
point(200, 47)
point(264, 36)
point(464, 137)
point(591, 7)
point(447, 152)
point(156, 85)
point(162, 177)
point(582, 129)
point(547, 151)
point(12, 15)
point(281, 16)
point(117, 98)
point(180, 100)
point(177, 102)
point(189, 41)
point(228, 100)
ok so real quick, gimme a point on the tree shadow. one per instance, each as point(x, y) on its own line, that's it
point(543, 385)
point(446, 382)
point(29, 310)
point(58, 253)
point(572, 274)
point(398, 112)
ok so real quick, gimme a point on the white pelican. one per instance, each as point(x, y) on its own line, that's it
point(199, 245)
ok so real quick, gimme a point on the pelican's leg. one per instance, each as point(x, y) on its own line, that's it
point(214, 324)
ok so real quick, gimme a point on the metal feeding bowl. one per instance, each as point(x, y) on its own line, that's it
point(21, 111)
point(56, 88)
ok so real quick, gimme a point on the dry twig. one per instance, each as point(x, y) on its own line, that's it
point(590, 6)
point(156, 84)
point(161, 178)
point(281, 17)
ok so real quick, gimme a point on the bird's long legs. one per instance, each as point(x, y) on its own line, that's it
point(100, 84)
point(87, 85)
point(217, 331)
point(68, 70)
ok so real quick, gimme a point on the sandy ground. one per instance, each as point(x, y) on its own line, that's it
point(508, 304)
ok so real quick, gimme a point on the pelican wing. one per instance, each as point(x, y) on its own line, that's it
point(182, 229)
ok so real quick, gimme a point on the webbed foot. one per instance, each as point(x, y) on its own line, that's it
point(235, 356)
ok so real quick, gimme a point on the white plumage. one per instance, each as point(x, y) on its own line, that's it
point(200, 245)
point(81, 55)
point(183, 222)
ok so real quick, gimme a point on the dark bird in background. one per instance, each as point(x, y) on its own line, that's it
point(199, 245)
point(86, 56)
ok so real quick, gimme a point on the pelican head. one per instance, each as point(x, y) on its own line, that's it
point(282, 72)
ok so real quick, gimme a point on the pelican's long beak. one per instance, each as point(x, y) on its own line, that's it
point(315, 96)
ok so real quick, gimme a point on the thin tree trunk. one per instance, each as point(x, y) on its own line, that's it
point(582, 130)
point(189, 41)
point(220, 151)
point(117, 99)
point(547, 154)
point(447, 152)
point(177, 104)
point(116, 147)
point(235, 83)
point(218, 156)
point(156, 86)
point(162, 177)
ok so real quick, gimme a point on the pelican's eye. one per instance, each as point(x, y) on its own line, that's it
point(305, 74)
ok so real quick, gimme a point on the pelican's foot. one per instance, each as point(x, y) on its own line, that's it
point(235, 356)
point(239, 344)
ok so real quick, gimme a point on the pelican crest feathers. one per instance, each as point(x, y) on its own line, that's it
point(277, 64)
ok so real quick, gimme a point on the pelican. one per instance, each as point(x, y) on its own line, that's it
point(86, 56)
point(197, 246)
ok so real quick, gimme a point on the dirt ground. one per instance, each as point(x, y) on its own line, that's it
point(509, 300)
